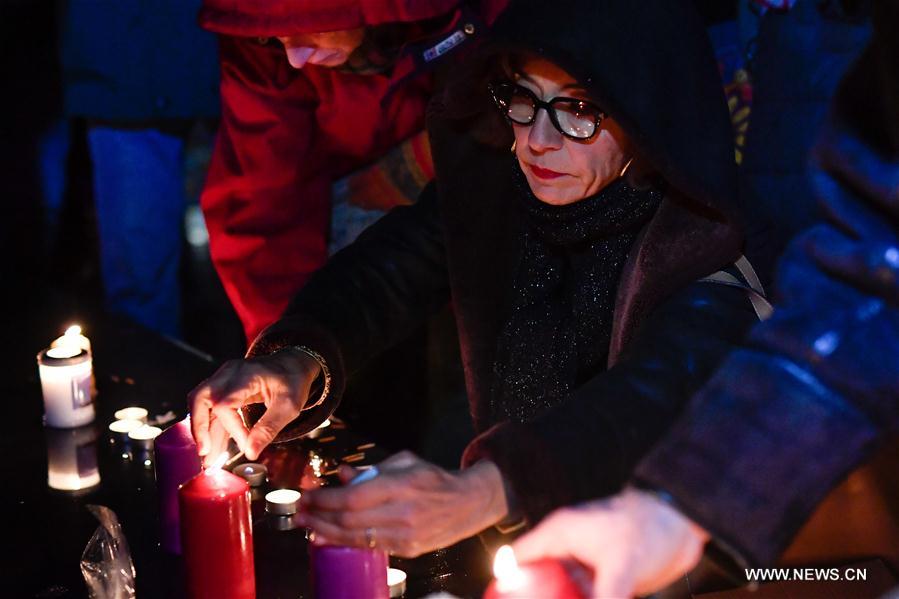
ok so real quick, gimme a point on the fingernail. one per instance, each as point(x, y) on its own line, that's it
point(297, 56)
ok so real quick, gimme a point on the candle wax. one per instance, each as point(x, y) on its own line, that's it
point(348, 572)
point(176, 463)
point(217, 536)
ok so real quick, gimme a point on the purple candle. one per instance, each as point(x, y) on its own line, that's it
point(176, 463)
point(348, 572)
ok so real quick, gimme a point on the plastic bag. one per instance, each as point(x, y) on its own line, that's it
point(106, 561)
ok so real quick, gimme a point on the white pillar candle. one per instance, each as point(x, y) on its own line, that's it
point(65, 372)
point(72, 459)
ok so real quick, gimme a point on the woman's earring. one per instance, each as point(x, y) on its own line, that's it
point(626, 166)
point(512, 149)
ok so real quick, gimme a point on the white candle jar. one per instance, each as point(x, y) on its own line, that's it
point(66, 385)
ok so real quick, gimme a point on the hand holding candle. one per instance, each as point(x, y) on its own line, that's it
point(281, 380)
point(397, 509)
point(628, 544)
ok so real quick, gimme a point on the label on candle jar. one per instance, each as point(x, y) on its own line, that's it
point(66, 388)
point(81, 391)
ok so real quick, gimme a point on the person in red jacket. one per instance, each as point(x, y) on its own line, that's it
point(312, 92)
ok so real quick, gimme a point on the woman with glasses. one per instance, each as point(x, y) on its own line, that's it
point(574, 262)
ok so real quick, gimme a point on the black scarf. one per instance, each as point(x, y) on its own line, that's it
point(560, 321)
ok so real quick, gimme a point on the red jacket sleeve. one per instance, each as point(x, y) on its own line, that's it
point(267, 195)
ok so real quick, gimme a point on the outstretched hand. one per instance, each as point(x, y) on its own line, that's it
point(629, 544)
point(411, 507)
point(281, 381)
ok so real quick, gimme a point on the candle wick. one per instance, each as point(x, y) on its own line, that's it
point(236, 457)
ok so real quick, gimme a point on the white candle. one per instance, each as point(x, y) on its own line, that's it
point(145, 433)
point(396, 582)
point(132, 413)
point(282, 502)
point(65, 371)
point(72, 459)
point(123, 427)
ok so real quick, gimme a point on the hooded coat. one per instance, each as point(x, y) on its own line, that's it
point(462, 240)
point(287, 135)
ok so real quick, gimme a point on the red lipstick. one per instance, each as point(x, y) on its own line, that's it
point(544, 173)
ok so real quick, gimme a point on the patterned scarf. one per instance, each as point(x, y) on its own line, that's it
point(560, 320)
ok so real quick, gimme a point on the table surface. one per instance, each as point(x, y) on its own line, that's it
point(132, 366)
point(135, 367)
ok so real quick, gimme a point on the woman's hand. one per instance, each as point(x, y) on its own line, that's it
point(280, 380)
point(411, 507)
point(632, 543)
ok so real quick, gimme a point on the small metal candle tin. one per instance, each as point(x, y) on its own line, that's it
point(144, 436)
point(282, 502)
point(283, 523)
point(119, 429)
point(252, 472)
point(396, 582)
point(132, 413)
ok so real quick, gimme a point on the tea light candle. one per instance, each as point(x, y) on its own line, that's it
point(119, 429)
point(144, 435)
point(217, 535)
point(132, 413)
point(65, 372)
point(396, 582)
point(176, 463)
point(252, 472)
point(546, 578)
point(348, 572)
point(72, 459)
point(282, 502)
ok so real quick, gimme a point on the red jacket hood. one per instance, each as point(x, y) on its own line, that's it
point(289, 17)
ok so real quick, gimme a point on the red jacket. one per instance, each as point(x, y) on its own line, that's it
point(286, 135)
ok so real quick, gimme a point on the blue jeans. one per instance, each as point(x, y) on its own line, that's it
point(139, 200)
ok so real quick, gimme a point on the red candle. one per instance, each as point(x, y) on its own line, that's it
point(547, 579)
point(217, 536)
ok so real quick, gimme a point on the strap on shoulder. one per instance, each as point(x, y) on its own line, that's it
point(752, 284)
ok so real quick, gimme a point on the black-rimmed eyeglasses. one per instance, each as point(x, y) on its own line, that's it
point(574, 118)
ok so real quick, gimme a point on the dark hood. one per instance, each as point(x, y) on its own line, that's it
point(650, 65)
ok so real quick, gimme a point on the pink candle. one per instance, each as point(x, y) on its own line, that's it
point(546, 579)
point(217, 536)
point(176, 463)
point(348, 572)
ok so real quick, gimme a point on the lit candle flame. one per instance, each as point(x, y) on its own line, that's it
point(73, 330)
point(505, 568)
